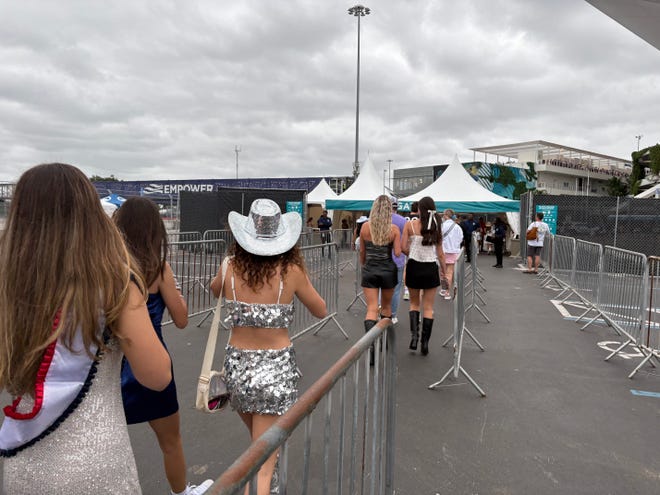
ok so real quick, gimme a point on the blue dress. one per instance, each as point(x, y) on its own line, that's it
point(140, 403)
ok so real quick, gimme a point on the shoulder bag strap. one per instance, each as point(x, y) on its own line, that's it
point(213, 332)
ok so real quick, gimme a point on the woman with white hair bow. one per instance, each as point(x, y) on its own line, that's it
point(422, 242)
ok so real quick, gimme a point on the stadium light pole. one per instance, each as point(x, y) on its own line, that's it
point(237, 150)
point(389, 174)
point(358, 11)
point(639, 138)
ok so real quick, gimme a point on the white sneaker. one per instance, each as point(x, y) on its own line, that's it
point(406, 294)
point(447, 297)
point(197, 489)
point(443, 293)
point(395, 320)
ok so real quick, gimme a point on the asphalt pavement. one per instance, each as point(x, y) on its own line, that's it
point(557, 419)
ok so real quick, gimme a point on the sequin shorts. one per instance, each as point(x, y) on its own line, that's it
point(261, 381)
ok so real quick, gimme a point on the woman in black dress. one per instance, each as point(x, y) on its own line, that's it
point(379, 238)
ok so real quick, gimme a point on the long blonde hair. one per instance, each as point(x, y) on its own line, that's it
point(59, 253)
point(380, 220)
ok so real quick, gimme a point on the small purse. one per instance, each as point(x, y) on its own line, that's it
point(212, 392)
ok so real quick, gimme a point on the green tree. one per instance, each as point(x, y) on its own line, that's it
point(654, 158)
point(617, 187)
point(637, 172)
point(98, 178)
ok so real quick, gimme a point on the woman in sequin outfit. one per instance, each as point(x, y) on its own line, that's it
point(264, 273)
point(379, 238)
point(145, 235)
point(70, 305)
point(422, 242)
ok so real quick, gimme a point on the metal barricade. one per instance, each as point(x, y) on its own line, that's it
point(650, 338)
point(587, 275)
point(194, 264)
point(622, 294)
point(214, 235)
point(310, 237)
point(358, 282)
point(546, 258)
point(323, 271)
point(545, 275)
point(459, 329)
point(343, 238)
point(358, 436)
point(563, 262)
point(176, 237)
point(474, 282)
point(345, 247)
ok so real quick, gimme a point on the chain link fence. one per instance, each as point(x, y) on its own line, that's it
point(626, 223)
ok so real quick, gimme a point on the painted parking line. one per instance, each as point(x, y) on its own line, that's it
point(644, 393)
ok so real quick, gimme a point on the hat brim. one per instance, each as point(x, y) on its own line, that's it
point(262, 246)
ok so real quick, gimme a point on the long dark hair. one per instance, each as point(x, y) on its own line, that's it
point(430, 236)
point(139, 221)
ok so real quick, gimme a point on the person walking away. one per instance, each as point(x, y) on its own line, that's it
point(324, 224)
point(490, 236)
point(535, 235)
point(146, 238)
point(345, 233)
point(399, 261)
point(414, 213)
point(499, 238)
point(264, 273)
point(72, 302)
point(469, 226)
point(379, 240)
point(482, 234)
point(356, 233)
point(452, 237)
point(422, 242)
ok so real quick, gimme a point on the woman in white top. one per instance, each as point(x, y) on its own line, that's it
point(452, 237)
point(422, 242)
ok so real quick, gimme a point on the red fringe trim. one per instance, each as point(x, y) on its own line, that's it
point(49, 353)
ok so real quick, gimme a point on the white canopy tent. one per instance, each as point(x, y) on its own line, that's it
point(320, 194)
point(651, 192)
point(456, 189)
point(362, 193)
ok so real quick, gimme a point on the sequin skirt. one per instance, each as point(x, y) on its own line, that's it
point(261, 381)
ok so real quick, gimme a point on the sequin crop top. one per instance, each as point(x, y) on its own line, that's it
point(260, 315)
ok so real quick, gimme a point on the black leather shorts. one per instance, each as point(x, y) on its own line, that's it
point(380, 275)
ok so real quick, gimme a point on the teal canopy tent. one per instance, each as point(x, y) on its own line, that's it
point(456, 189)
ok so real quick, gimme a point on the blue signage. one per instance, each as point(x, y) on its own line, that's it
point(549, 216)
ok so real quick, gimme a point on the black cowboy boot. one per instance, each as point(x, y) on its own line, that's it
point(414, 329)
point(368, 325)
point(427, 326)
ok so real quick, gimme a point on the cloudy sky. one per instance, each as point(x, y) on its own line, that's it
point(166, 89)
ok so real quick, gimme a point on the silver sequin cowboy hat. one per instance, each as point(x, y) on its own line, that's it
point(266, 231)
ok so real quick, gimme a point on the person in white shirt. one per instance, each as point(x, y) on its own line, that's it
point(535, 246)
point(452, 237)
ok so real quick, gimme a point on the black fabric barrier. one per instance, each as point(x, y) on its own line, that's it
point(209, 210)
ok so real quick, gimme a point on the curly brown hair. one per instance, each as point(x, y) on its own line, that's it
point(256, 270)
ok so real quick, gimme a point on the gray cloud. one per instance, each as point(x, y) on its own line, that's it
point(165, 89)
